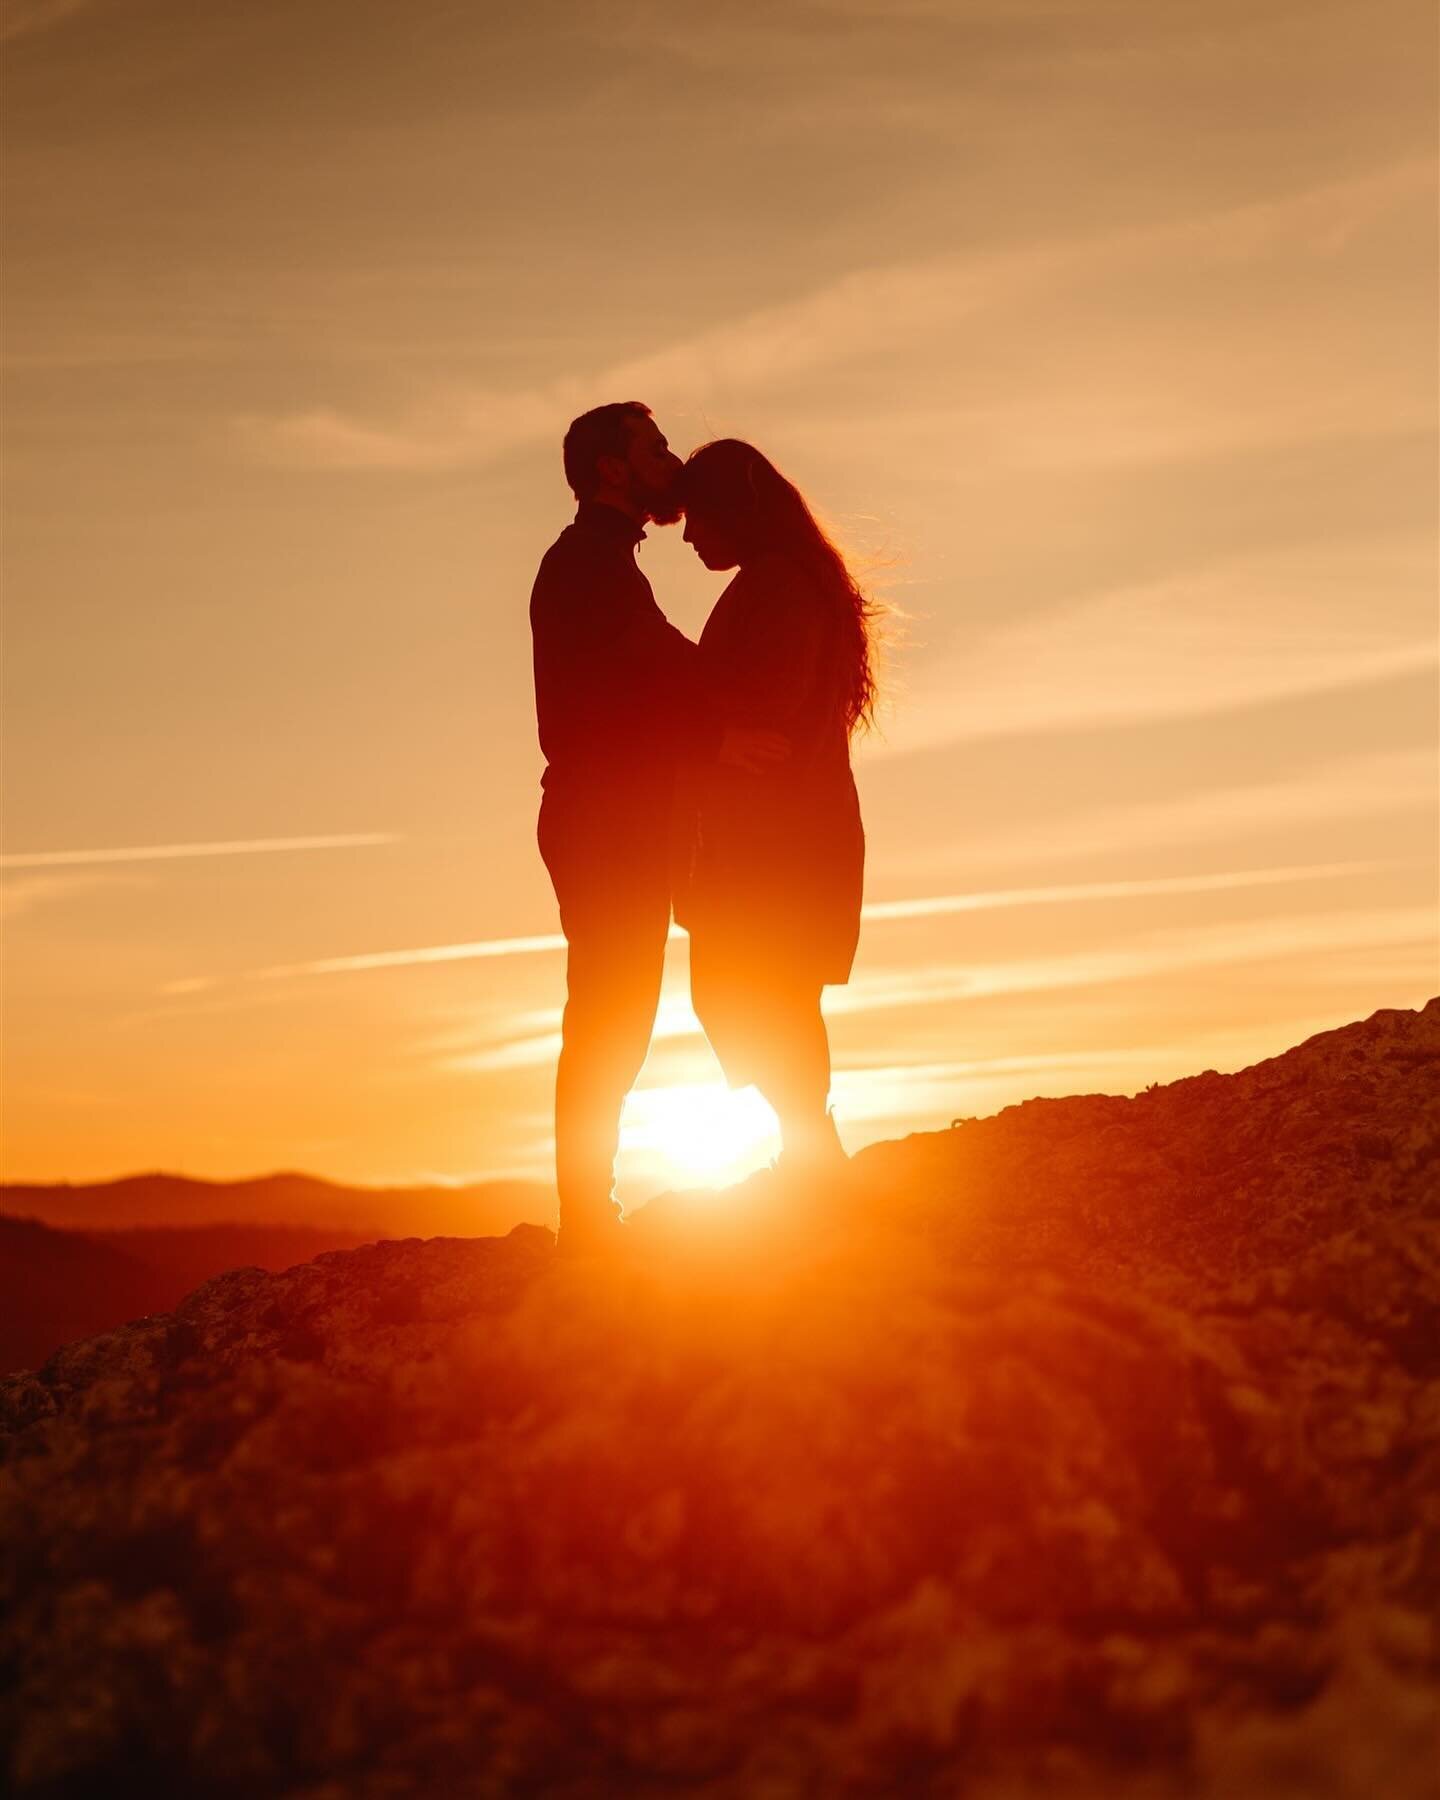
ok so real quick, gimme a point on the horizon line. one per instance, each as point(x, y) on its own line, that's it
point(457, 1184)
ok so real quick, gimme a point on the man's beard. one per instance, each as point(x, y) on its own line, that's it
point(663, 504)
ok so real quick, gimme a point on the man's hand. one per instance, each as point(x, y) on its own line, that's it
point(752, 748)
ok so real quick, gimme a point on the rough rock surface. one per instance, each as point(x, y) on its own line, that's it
point(1092, 1449)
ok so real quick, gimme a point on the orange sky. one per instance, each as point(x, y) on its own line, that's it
point(1105, 331)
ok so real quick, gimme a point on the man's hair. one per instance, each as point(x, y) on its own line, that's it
point(603, 431)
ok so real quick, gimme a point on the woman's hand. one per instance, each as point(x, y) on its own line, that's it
point(752, 748)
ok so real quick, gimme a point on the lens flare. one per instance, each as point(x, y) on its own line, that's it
point(696, 1132)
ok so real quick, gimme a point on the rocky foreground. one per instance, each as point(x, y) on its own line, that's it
point(1092, 1449)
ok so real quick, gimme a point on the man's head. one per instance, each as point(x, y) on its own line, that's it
point(618, 454)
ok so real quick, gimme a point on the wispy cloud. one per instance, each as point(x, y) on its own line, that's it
point(23, 896)
point(1236, 633)
point(1151, 954)
point(533, 1051)
point(51, 859)
point(1372, 786)
point(938, 905)
point(878, 911)
point(912, 1093)
point(481, 948)
point(865, 312)
point(1156, 954)
point(478, 427)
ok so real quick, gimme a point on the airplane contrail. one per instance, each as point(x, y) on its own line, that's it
point(937, 905)
point(50, 859)
point(933, 906)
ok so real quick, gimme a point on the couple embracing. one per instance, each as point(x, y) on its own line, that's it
point(713, 778)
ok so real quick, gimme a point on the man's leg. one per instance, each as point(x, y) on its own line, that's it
point(613, 972)
point(610, 872)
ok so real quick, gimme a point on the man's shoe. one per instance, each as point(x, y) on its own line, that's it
point(600, 1235)
point(820, 1157)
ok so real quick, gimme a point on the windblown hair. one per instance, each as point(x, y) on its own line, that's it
point(741, 490)
point(603, 431)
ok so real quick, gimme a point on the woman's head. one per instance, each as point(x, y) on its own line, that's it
point(738, 506)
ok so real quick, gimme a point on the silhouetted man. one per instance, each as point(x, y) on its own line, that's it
point(618, 700)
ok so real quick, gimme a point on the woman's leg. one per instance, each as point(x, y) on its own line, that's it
point(792, 1062)
point(765, 1026)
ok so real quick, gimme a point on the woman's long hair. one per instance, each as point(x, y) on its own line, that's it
point(741, 490)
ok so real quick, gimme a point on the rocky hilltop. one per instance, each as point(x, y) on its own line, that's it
point(1091, 1449)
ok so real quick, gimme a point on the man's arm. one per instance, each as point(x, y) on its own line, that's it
point(700, 726)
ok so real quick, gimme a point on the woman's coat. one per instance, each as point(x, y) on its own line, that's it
point(771, 866)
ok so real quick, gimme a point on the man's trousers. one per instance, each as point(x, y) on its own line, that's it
point(610, 869)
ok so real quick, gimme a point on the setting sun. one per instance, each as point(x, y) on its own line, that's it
point(697, 1132)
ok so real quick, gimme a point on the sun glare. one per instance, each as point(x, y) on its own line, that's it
point(697, 1133)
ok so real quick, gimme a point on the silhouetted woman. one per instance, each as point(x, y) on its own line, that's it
point(770, 880)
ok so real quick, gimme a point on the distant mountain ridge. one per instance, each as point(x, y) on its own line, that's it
point(287, 1197)
point(81, 1258)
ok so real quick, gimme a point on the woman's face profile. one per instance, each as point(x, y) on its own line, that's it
point(709, 541)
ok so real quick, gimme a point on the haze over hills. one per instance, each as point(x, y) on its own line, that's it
point(284, 1198)
point(83, 1258)
point(1088, 1450)
point(56, 1286)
